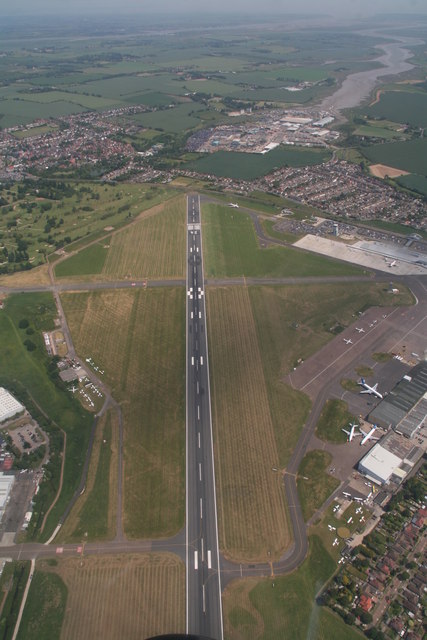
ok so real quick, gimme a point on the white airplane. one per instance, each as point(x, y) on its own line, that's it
point(73, 389)
point(233, 204)
point(348, 340)
point(369, 389)
point(351, 433)
point(335, 542)
point(361, 330)
point(368, 435)
point(392, 263)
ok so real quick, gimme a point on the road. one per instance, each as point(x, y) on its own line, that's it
point(203, 582)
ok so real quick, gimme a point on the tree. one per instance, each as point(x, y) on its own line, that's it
point(23, 324)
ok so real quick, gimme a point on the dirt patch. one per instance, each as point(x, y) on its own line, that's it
point(383, 171)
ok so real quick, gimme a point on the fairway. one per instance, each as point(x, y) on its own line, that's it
point(136, 337)
point(251, 501)
point(231, 249)
point(117, 596)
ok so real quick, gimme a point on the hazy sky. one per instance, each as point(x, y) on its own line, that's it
point(335, 7)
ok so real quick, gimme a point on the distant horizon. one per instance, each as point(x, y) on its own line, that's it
point(350, 9)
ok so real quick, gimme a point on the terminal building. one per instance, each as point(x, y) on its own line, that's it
point(9, 406)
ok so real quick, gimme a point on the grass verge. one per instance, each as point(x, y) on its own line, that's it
point(313, 483)
point(45, 608)
point(334, 417)
point(284, 606)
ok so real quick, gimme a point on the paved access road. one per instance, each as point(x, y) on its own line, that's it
point(203, 583)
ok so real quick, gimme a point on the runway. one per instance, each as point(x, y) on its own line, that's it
point(203, 583)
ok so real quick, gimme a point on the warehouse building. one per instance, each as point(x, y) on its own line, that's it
point(405, 405)
point(6, 483)
point(9, 407)
point(391, 459)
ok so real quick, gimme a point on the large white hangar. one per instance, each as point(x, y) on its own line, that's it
point(391, 459)
point(9, 406)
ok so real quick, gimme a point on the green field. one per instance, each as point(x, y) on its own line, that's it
point(13, 581)
point(284, 606)
point(414, 182)
point(87, 261)
point(45, 608)
point(248, 166)
point(406, 107)
point(26, 372)
point(369, 131)
point(410, 156)
point(314, 484)
point(231, 249)
point(334, 417)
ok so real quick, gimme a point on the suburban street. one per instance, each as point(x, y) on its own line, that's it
point(203, 584)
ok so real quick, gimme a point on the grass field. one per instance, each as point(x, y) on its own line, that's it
point(318, 486)
point(231, 249)
point(114, 597)
point(153, 247)
point(251, 501)
point(93, 516)
point(13, 581)
point(410, 156)
point(334, 417)
point(414, 182)
point(248, 166)
point(87, 261)
point(45, 608)
point(136, 337)
point(27, 370)
point(284, 606)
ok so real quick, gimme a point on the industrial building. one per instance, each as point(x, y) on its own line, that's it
point(391, 459)
point(9, 406)
point(6, 483)
point(404, 408)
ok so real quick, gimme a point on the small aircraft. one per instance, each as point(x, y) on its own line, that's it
point(233, 204)
point(392, 263)
point(348, 340)
point(73, 389)
point(351, 433)
point(369, 389)
point(361, 330)
point(368, 435)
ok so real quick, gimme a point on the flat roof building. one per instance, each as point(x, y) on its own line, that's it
point(391, 459)
point(9, 406)
point(6, 483)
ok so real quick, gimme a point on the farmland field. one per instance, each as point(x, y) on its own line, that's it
point(414, 182)
point(114, 597)
point(136, 337)
point(401, 106)
point(410, 156)
point(231, 249)
point(248, 166)
point(251, 501)
point(254, 609)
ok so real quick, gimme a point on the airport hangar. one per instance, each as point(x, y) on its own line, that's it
point(404, 413)
point(9, 406)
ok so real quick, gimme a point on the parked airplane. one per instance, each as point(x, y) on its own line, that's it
point(348, 340)
point(368, 435)
point(392, 263)
point(360, 330)
point(233, 204)
point(351, 433)
point(369, 389)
